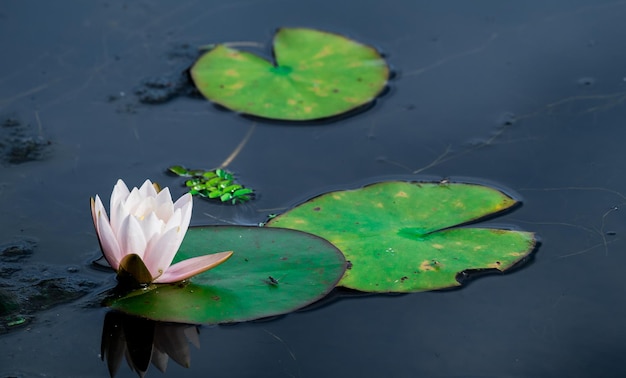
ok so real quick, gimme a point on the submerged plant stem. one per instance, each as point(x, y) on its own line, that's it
point(238, 149)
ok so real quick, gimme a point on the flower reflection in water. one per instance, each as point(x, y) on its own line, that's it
point(143, 341)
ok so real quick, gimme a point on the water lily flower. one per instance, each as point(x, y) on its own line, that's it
point(144, 233)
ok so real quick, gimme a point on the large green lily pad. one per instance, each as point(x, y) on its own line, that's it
point(316, 75)
point(397, 236)
point(272, 272)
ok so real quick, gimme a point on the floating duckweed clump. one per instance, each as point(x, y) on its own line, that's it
point(216, 184)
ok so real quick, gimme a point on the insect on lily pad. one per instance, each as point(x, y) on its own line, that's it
point(316, 74)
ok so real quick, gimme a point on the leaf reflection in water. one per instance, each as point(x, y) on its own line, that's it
point(143, 341)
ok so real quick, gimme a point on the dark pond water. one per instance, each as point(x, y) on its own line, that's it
point(525, 95)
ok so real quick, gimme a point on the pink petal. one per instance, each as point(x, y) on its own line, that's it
point(98, 212)
point(131, 237)
point(96, 205)
point(161, 253)
point(174, 222)
point(108, 242)
point(193, 266)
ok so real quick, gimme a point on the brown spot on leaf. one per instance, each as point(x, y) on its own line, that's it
point(430, 265)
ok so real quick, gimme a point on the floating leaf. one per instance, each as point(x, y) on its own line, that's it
point(272, 272)
point(397, 236)
point(214, 184)
point(316, 75)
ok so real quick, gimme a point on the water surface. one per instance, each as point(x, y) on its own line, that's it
point(525, 96)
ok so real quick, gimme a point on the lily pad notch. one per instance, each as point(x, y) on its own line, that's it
point(316, 75)
point(405, 236)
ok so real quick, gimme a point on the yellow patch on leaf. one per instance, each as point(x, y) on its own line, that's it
point(237, 85)
point(231, 72)
point(430, 265)
point(326, 50)
point(458, 204)
point(235, 55)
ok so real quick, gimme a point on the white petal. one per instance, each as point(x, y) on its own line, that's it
point(144, 207)
point(118, 214)
point(147, 189)
point(119, 195)
point(130, 237)
point(152, 227)
point(164, 206)
point(185, 204)
point(161, 253)
point(174, 222)
point(193, 266)
point(184, 200)
point(132, 201)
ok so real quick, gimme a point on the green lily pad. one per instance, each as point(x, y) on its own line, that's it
point(272, 272)
point(397, 236)
point(316, 75)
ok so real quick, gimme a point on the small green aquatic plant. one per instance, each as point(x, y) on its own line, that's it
point(216, 184)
